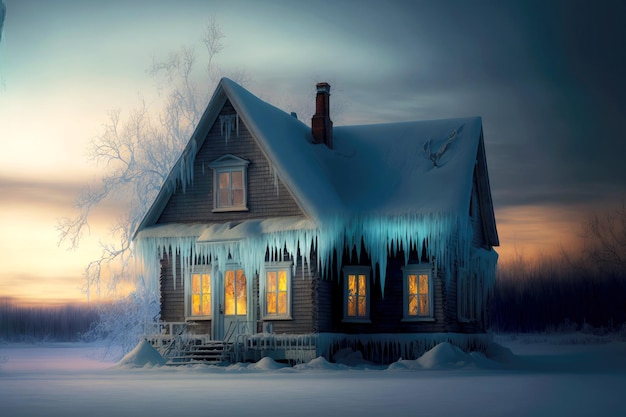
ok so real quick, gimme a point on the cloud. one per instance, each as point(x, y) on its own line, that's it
point(36, 192)
point(23, 287)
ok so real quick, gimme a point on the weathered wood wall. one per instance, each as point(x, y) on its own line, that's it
point(195, 205)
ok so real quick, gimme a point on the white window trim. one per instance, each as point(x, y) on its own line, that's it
point(417, 269)
point(275, 267)
point(198, 269)
point(357, 270)
point(229, 163)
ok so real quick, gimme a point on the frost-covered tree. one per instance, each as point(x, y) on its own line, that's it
point(137, 151)
point(604, 240)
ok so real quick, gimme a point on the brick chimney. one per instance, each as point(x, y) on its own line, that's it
point(321, 125)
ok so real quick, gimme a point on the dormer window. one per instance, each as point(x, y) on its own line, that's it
point(230, 183)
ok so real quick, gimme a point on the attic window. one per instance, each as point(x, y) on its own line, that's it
point(230, 183)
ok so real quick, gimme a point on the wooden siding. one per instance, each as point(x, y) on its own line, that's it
point(195, 205)
point(172, 300)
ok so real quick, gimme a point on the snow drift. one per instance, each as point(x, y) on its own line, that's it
point(143, 355)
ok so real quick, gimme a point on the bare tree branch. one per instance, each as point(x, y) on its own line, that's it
point(137, 151)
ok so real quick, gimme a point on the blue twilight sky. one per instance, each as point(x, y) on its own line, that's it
point(546, 76)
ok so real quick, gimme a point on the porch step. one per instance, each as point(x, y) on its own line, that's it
point(214, 352)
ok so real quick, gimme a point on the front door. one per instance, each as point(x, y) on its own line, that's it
point(235, 310)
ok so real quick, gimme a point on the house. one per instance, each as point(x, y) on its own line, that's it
point(294, 241)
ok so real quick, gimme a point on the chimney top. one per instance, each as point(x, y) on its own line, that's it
point(323, 88)
point(321, 125)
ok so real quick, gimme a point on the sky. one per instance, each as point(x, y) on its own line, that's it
point(545, 76)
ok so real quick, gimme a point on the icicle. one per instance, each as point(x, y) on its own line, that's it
point(275, 175)
point(227, 121)
point(447, 238)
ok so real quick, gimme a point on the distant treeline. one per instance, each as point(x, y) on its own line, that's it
point(583, 288)
point(32, 323)
point(553, 294)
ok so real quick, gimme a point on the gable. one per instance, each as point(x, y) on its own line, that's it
point(267, 195)
point(482, 190)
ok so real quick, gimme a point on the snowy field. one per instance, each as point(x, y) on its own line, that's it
point(566, 375)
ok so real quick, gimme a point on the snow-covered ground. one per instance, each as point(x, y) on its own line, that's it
point(545, 376)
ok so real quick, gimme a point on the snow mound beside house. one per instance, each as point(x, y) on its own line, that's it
point(267, 364)
point(319, 363)
point(447, 356)
point(444, 356)
point(142, 356)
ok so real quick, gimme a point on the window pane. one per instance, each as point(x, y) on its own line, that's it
point(206, 284)
point(224, 198)
point(351, 285)
point(282, 280)
point(351, 295)
point(423, 284)
point(424, 309)
point(362, 285)
point(224, 180)
point(352, 306)
point(195, 284)
point(282, 303)
point(229, 293)
point(362, 307)
point(242, 294)
point(237, 197)
point(206, 305)
point(412, 305)
point(412, 284)
point(271, 302)
point(195, 305)
point(271, 281)
point(237, 177)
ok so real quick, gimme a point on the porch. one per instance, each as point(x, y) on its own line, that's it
point(179, 345)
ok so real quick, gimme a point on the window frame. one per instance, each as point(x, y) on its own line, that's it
point(201, 270)
point(228, 164)
point(357, 270)
point(417, 269)
point(277, 267)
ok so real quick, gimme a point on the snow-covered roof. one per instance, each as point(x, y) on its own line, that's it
point(386, 185)
point(375, 170)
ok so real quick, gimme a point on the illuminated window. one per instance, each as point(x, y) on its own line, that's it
point(230, 183)
point(418, 292)
point(235, 293)
point(356, 293)
point(200, 291)
point(277, 301)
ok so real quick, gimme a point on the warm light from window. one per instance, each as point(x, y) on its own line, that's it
point(276, 292)
point(230, 193)
point(235, 293)
point(357, 295)
point(418, 294)
point(200, 295)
